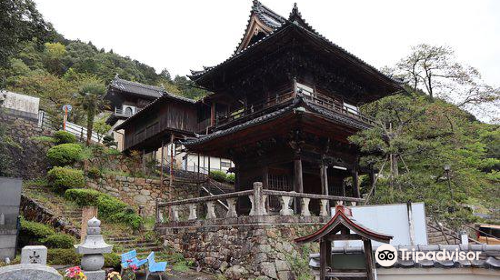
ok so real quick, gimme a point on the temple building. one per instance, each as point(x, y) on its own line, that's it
point(284, 104)
point(282, 108)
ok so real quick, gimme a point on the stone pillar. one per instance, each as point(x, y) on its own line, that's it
point(256, 199)
point(305, 207)
point(211, 210)
point(88, 212)
point(175, 213)
point(324, 208)
point(231, 211)
point(285, 206)
point(192, 212)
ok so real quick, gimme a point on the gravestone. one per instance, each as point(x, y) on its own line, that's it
point(29, 272)
point(32, 267)
point(10, 199)
point(34, 255)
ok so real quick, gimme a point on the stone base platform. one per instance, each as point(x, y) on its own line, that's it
point(247, 247)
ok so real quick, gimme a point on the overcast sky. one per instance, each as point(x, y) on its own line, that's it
point(187, 34)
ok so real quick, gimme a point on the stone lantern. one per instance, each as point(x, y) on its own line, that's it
point(92, 249)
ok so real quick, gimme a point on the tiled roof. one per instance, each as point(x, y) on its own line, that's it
point(164, 95)
point(296, 103)
point(137, 88)
point(295, 19)
point(258, 120)
point(489, 256)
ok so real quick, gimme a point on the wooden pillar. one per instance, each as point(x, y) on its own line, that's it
point(369, 259)
point(171, 182)
point(298, 182)
point(198, 166)
point(325, 256)
point(324, 178)
point(161, 165)
point(212, 114)
point(265, 177)
point(355, 184)
point(265, 183)
point(324, 181)
point(208, 165)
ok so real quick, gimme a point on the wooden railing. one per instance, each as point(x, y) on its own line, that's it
point(258, 108)
point(257, 196)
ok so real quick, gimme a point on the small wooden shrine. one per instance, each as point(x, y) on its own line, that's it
point(342, 227)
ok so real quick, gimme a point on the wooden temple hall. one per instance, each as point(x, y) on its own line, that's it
point(281, 107)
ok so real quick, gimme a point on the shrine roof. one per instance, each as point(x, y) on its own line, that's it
point(294, 21)
point(343, 218)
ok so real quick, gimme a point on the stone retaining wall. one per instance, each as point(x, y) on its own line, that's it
point(246, 247)
point(142, 192)
point(27, 155)
point(36, 212)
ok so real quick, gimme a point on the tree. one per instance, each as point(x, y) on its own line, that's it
point(101, 128)
point(435, 71)
point(20, 21)
point(91, 100)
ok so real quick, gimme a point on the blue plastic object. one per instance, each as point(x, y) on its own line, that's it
point(130, 258)
point(153, 266)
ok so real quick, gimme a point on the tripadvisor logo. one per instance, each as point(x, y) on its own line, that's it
point(386, 255)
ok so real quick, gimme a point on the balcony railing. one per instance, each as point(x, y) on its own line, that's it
point(258, 108)
point(258, 198)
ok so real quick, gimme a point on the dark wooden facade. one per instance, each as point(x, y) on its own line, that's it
point(284, 106)
point(282, 109)
point(168, 115)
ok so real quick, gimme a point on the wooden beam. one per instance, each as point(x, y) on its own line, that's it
point(369, 259)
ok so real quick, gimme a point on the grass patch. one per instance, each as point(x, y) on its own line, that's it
point(44, 139)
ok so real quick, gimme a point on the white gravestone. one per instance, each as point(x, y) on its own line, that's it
point(34, 255)
point(29, 272)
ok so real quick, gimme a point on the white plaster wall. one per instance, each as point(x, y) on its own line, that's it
point(20, 102)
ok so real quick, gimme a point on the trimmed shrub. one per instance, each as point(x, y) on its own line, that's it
point(83, 197)
point(33, 233)
point(65, 178)
point(112, 260)
point(219, 176)
point(230, 178)
point(110, 208)
point(63, 257)
point(94, 173)
point(64, 154)
point(60, 240)
point(64, 137)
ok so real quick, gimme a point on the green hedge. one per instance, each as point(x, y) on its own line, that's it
point(70, 257)
point(64, 154)
point(59, 240)
point(110, 208)
point(218, 176)
point(65, 178)
point(64, 137)
point(33, 233)
point(221, 176)
point(63, 257)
